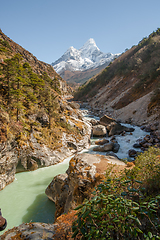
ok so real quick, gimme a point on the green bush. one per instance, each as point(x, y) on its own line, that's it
point(120, 208)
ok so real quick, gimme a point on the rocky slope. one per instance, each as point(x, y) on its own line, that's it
point(88, 59)
point(38, 127)
point(129, 88)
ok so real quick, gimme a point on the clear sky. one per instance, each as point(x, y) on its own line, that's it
point(47, 28)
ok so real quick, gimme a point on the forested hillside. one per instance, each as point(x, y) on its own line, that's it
point(37, 124)
point(25, 89)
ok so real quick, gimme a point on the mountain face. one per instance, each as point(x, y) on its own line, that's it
point(129, 88)
point(86, 58)
point(38, 127)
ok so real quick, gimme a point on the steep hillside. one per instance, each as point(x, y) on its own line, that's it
point(38, 127)
point(9, 48)
point(132, 79)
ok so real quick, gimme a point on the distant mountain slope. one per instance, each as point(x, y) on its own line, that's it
point(133, 75)
point(88, 57)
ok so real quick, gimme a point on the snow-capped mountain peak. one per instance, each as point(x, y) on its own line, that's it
point(88, 56)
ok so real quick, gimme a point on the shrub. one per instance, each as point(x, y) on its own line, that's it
point(120, 207)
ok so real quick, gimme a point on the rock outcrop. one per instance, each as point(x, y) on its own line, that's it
point(16, 156)
point(30, 231)
point(69, 189)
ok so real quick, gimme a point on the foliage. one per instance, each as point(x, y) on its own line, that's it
point(24, 93)
point(122, 208)
point(4, 46)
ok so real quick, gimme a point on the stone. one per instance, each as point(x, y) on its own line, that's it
point(116, 129)
point(30, 231)
point(99, 130)
point(101, 142)
point(54, 188)
point(93, 122)
point(116, 147)
point(132, 153)
point(104, 148)
point(106, 120)
point(136, 145)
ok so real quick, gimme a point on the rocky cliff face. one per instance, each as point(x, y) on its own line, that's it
point(31, 153)
point(38, 127)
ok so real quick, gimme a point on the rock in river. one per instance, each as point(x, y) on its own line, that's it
point(99, 130)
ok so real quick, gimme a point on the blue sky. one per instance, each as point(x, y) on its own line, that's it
point(47, 28)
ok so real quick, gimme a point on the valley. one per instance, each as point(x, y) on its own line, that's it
point(80, 145)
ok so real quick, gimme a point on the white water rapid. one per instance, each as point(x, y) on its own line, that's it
point(24, 200)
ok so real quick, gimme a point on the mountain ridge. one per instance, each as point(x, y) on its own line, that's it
point(128, 88)
point(88, 57)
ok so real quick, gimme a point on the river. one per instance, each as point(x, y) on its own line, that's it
point(24, 200)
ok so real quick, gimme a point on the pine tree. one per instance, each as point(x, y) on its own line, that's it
point(18, 85)
point(48, 102)
point(8, 76)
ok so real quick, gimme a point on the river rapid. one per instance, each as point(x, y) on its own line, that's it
point(24, 200)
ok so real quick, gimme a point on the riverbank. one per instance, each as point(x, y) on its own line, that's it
point(100, 166)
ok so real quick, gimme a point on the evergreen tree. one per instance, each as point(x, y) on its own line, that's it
point(18, 85)
point(7, 79)
point(48, 101)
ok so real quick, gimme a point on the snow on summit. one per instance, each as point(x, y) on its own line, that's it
point(88, 56)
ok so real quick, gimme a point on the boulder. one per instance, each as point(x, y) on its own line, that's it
point(93, 122)
point(106, 120)
point(116, 129)
point(99, 130)
point(30, 231)
point(101, 142)
point(116, 147)
point(104, 148)
point(132, 153)
point(136, 145)
point(54, 188)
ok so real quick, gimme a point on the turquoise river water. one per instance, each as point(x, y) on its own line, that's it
point(24, 200)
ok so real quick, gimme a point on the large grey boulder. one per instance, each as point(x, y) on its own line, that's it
point(99, 130)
